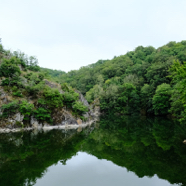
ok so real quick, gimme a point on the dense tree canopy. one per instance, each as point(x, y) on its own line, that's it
point(146, 81)
point(31, 91)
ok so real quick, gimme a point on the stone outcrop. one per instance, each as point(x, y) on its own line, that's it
point(14, 121)
point(79, 121)
point(3, 96)
point(34, 123)
point(85, 102)
point(60, 117)
point(95, 109)
point(82, 98)
point(51, 84)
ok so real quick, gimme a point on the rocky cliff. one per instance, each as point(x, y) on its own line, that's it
point(60, 116)
point(31, 98)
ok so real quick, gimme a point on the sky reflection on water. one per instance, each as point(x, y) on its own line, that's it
point(84, 169)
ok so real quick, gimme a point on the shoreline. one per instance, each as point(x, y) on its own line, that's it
point(48, 127)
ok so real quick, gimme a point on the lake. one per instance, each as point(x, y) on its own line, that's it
point(129, 151)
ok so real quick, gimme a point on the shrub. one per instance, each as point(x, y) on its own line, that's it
point(9, 109)
point(42, 115)
point(9, 67)
point(17, 93)
point(26, 109)
point(53, 97)
point(79, 108)
point(70, 98)
point(5, 82)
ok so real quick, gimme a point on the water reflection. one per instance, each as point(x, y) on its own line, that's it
point(121, 151)
point(84, 169)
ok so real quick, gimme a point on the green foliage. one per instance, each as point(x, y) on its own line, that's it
point(5, 82)
point(1, 49)
point(32, 90)
point(17, 93)
point(42, 115)
point(146, 98)
point(178, 97)
point(32, 64)
point(26, 62)
point(53, 75)
point(26, 109)
point(157, 73)
point(139, 81)
point(95, 92)
point(70, 98)
point(9, 109)
point(53, 98)
point(65, 87)
point(31, 84)
point(41, 77)
point(128, 98)
point(79, 108)
point(9, 67)
point(145, 68)
point(161, 98)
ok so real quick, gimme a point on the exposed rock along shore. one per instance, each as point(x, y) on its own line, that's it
point(67, 121)
point(62, 118)
point(48, 127)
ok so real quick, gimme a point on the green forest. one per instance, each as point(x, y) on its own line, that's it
point(28, 89)
point(145, 81)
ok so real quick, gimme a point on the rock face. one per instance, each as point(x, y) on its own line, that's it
point(34, 123)
point(51, 84)
point(14, 121)
point(59, 116)
point(82, 99)
point(18, 117)
point(95, 109)
point(79, 121)
point(62, 117)
point(85, 102)
point(3, 96)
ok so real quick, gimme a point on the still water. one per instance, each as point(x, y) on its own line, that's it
point(84, 169)
point(117, 151)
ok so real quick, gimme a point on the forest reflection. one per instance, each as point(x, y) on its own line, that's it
point(145, 146)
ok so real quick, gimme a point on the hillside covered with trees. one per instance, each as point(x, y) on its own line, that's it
point(25, 88)
point(146, 80)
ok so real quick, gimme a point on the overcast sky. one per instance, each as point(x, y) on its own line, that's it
point(66, 35)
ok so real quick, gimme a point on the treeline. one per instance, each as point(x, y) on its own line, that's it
point(146, 81)
point(52, 74)
point(141, 145)
point(25, 88)
point(36, 153)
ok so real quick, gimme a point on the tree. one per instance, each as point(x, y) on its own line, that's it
point(146, 98)
point(128, 98)
point(160, 100)
point(178, 98)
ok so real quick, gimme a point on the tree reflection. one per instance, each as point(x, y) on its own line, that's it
point(146, 146)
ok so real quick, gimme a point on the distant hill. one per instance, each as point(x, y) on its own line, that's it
point(146, 81)
point(52, 73)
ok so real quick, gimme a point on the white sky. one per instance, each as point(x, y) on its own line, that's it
point(66, 35)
